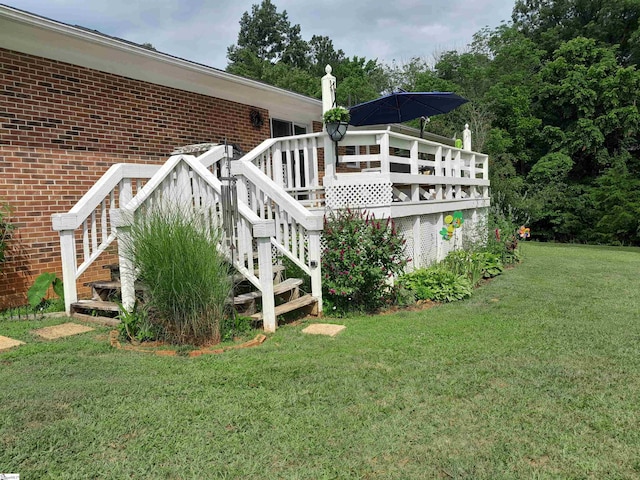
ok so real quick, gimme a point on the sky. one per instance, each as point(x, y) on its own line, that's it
point(201, 30)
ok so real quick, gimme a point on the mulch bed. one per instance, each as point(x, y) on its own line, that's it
point(153, 347)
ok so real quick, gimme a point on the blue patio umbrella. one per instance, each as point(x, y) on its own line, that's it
point(403, 106)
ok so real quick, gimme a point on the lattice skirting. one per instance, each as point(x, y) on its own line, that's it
point(424, 244)
point(362, 195)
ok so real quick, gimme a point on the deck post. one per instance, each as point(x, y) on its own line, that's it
point(314, 264)
point(263, 232)
point(69, 268)
point(328, 90)
point(127, 270)
point(121, 219)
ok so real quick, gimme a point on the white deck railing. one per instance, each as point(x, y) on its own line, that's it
point(88, 229)
point(183, 181)
point(292, 164)
point(297, 230)
point(389, 169)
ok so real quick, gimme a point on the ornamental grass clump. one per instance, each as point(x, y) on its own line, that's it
point(362, 255)
point(187, 278)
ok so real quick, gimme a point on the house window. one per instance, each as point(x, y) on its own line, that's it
point(283, 128)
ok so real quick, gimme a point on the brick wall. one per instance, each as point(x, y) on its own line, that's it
point(62, 127)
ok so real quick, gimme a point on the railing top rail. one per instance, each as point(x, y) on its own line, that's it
point(215, 154)
point(304, 217)
point(408, 138)
point(96, 194)
point(202, 171)
point(268, 143)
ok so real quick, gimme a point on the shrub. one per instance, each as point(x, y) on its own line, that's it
point(465, 263)
point(438, 284)
point(136, 326)
point(361, 255)
point(40, 288)
point(187, 277)
point(490, 263)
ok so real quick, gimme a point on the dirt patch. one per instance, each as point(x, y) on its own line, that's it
point(414, 307)
point(63, 330)
point(6, 343)
point(158, 348)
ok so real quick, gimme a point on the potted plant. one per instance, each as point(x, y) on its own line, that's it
point(336, 121)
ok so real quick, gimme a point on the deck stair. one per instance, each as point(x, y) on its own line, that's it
point(106, 295)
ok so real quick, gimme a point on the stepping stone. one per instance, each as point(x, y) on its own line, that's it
point(324, 329)
point(59, 331)
point(6, 343)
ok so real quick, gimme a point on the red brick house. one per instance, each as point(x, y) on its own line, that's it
point(74, 101)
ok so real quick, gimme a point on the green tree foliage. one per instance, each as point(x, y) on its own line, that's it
point(588, 102)
point(549, 23)
point(265, 33)
point(272, 50)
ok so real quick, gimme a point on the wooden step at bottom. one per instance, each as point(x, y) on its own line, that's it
point(107, 290)
point(94, 305)
point(289, 306)
point(278, 289)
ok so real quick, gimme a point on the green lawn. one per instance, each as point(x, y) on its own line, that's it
point(536, 376)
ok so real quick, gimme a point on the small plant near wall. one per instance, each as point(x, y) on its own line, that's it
point(38, 291)
point(5, 230)
point(361, 257)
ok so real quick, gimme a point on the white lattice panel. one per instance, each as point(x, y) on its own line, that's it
point(361, 195)
point(475, 227)
point(405, 227)
point(428, 239)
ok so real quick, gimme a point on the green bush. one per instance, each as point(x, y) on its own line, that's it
point(136, 326)
point(465, 263)
point(40, 288)
point(187, 278)
point(361, 255)
point(438, 284)
point(490, 263)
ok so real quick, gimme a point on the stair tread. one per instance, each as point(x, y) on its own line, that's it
point(289, 306)
point(278, 289)
point(238, 277)
point(110, 284)
point(96, 305)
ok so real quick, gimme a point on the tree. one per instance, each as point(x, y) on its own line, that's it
point(272, 50)
point(323, 53)
point(589, 104)
point(551, 22)
point(263, 33)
